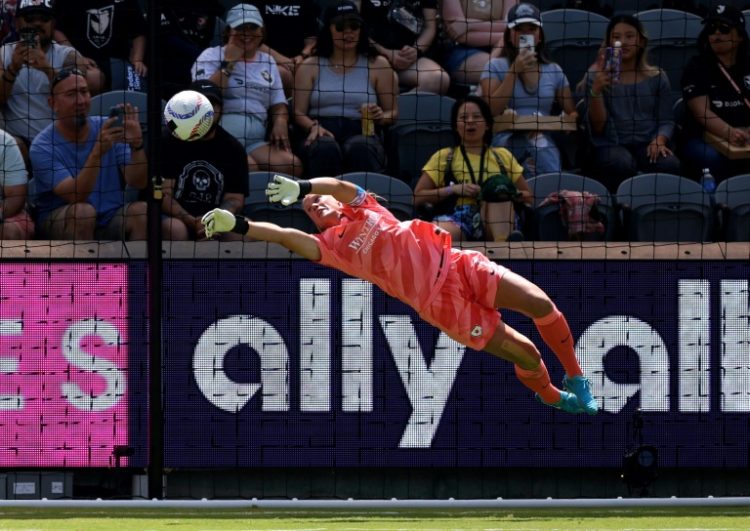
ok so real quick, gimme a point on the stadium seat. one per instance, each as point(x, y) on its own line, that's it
point(548, 221)
point(423, 127)
point(398, 196)
point(733, 204)
point(679, 112)
point(661, 207)
point(573, 37)
point(258, 208)
point(631, 7)
point(673, 40)
point(101, 103)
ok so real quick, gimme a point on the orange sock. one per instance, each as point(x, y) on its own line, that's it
point(556, 333)
point(538, 381)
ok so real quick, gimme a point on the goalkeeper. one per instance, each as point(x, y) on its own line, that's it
point(458, 291)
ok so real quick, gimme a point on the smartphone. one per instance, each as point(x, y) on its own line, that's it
point(613, 62)
point(28, 36)
point(118, 113)
point(526, 41)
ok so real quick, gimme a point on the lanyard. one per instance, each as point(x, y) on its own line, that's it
point(481, 164)
point(734, 85)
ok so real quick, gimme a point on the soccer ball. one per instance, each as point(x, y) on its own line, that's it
point(188, 115)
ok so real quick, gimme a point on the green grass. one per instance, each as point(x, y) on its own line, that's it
point(681, 518)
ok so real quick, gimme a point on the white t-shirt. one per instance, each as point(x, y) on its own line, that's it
point(27, 111)
point(12, 168)
point(253, 87)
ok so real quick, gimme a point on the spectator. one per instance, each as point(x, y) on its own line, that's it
point(15, 222)
point(27, 67)
point(525, 81)
point(403, 33)
point(291, 30)
point(629, 117)
point(187, 28)
point(201, 175)
point(476, 28)
point(109, 33)
point(79, 163)
point(332, 88)
point(715, 91)
point(7, 21)
point(252, 91)
point(457, 174)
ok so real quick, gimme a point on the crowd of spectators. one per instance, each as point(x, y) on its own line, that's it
point(310, 88)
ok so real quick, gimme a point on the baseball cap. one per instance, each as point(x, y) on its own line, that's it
point(343, 9)
point(524, 14)
point(724, 13)
point(209, 89)
point(31, 6)
point(244, 14)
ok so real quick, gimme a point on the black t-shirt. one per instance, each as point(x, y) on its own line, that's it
point(191, 21)
point(381, 18)
point(703, 77)
point(288, 23)
point(100, 29)
point(204, 170)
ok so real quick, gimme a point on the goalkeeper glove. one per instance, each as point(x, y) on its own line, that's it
point(217, 221)
point(286, 190)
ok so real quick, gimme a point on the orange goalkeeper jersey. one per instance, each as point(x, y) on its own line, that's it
point(406, 259)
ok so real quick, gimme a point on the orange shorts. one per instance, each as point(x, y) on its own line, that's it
point(465, 306)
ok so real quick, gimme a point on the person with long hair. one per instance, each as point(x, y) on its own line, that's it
point(457, 174)
point(344, 79)
point(628, 113)
point(524, 80)
point(254, 103)
point(457, 291)
point(716, 92)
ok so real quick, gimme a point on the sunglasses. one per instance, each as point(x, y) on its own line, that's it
point(721, 27)
point(352, 25)
point(64, 74)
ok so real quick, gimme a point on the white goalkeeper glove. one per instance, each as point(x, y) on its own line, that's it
point(218, 220)
point(287, 191)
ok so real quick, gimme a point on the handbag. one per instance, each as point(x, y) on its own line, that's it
point(498, 188)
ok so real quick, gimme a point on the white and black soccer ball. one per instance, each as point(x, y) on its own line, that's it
point(188, 115)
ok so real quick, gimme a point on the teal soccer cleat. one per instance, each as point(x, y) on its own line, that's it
point(568, 403)
point(581, 388)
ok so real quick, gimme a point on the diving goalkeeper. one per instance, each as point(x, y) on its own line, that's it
point(458, 291)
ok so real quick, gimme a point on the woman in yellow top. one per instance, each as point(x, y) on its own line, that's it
point(484, 181)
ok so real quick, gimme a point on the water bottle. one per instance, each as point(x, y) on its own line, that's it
point(708, 182)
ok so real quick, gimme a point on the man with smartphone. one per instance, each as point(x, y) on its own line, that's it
point(80, 162)
point(26, 68)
